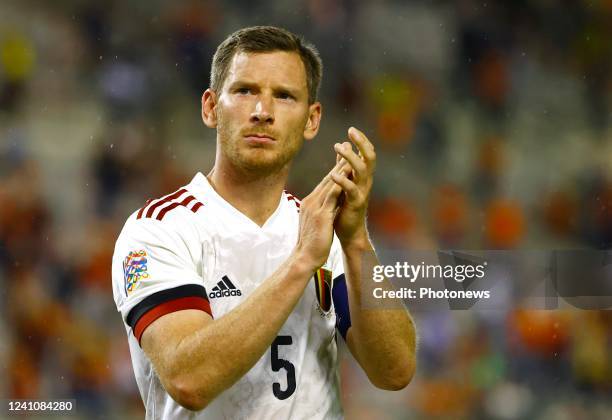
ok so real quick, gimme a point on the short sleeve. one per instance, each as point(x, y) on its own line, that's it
point(157, 270)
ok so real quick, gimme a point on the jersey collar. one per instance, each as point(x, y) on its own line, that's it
point(200, 185)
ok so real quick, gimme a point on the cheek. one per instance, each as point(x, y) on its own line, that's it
point(296, 121)
point(232, 109)
point(226, 119)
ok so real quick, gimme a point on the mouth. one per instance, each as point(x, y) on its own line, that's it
point(259, 138)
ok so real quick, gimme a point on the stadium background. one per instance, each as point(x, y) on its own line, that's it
point(492, 124)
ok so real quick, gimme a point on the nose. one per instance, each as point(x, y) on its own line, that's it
point(263, 112)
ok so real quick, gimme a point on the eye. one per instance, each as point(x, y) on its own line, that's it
point(243, 91)
point(284, 95)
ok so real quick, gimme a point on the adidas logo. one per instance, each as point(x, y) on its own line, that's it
point(224, 288)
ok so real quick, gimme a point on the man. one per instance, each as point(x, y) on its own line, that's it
point(226, 285)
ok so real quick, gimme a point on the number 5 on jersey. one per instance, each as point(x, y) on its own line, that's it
point(278, 364)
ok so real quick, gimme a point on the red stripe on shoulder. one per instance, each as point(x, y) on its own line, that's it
point(143, 207)
point(196, 206)
point(166, 209)
point(167, 204)
point(166, 199)
point(175, 204)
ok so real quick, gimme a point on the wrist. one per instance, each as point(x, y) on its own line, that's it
point(301, 265)
point(359, 242)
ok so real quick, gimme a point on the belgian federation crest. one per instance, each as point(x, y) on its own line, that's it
point(323, 284)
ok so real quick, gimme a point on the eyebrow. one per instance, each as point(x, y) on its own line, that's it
point(277, 89)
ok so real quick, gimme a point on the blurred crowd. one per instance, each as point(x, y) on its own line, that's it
point(493, 127)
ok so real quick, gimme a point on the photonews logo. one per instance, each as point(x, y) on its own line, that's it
point(224, 288)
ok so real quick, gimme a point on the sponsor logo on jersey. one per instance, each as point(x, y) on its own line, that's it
point(322, 280)
point(224, 288)
point(134, 269)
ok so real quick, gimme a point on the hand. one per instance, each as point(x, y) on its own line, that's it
point(350, 223)
point(317, 213)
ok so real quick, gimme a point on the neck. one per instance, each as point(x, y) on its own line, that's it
point(255, 195)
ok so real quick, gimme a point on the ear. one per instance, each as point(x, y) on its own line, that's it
point(314, 120)
point(209, 104)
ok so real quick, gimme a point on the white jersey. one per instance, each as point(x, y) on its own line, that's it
point(193, 250)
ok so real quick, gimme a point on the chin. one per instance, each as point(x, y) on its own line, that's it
point(262, 161)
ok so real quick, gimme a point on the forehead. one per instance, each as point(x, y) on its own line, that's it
point(269, 68)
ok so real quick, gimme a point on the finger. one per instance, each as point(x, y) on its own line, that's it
point(327, 178)
point(331, 198)
point(366, 148)
point(345, 168)
point(342, 168)
point(316, 192)
point(358, 165)
point(327, 188)
point(349, 187)
point(322, 189)
point(332, 191)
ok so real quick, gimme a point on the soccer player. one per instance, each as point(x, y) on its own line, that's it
point(230, 288)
